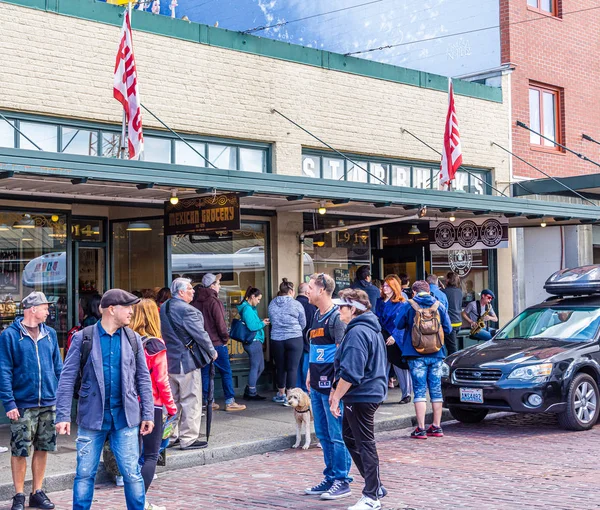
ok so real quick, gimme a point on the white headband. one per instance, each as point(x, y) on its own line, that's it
point(350, 302)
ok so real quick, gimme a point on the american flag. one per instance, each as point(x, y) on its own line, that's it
point(452, 152)
point(126, 90)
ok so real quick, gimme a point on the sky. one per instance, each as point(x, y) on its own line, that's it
point(359, 25)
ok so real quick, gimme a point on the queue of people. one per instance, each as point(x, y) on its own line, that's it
point(138, 360)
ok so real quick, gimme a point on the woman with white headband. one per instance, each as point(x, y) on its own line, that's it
point(361, 381)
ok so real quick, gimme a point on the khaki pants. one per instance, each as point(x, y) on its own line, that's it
point(187, 393)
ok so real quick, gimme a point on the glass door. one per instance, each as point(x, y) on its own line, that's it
point(89, 264)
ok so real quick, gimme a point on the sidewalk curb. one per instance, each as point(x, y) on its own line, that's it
point(64, 481)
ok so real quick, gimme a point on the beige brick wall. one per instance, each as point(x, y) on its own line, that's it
point(63, 66)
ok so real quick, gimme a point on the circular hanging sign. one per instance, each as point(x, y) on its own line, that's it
point(460, 261)
point(445, 235)
point(467, 234)
point(491, 232)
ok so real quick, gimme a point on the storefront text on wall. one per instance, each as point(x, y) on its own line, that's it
point(199, 215)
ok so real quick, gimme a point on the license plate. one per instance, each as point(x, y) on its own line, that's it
point(471, 395)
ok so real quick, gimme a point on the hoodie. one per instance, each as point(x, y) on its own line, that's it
point(287, 318)
point(207, 301)
point(29, 369)
point(405, 320)
point(373, 292)
point(361, 360)
point(156, 359)
point(250, 317)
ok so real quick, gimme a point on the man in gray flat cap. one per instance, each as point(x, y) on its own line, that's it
point(108, 391)
point(30, 365)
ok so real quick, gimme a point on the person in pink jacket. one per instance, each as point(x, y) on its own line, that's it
point(146, 322)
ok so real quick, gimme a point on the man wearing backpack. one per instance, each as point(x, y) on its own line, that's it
point(422, 322)
point(106, 368)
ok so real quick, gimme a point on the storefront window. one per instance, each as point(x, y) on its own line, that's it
point(138, 255)
point(241, 256)
point(79, 141)
point(337, 254)
point(471, 265)
point(252, 160)
point(184, 155)
point(356, 173)
point(7, 134)
point(33, 258)
point(44, 136)
point(157, 150)
point(333, 168)
point(223, 156)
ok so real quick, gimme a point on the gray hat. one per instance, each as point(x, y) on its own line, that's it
point(209, 278)
point(34, 299)
point(115, 297)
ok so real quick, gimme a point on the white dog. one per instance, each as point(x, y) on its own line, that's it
point(300, 401)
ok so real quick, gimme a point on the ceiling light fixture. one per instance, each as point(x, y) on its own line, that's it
point(138, 226)
point(414, 230)
point(452, 217)
point(174, 199)
point(54, 218)
point(543, 224)
point(322, 208)
point(25, 222)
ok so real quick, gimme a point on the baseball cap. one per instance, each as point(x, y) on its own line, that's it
point(349, 302)
point(115, 297)
point(35, 298)
point(209, 278)
point(488, 292)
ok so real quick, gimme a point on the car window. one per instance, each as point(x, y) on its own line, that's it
point(574, 324)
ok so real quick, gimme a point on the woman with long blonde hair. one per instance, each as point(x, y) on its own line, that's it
point(387, 310)
point(146, 322)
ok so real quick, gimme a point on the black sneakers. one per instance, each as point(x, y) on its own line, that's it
point(419, 433)
point(434, 431)
point(18, 502)
point(40, 500)
point(405, 400)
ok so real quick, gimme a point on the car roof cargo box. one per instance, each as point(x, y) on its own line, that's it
point(578, 281)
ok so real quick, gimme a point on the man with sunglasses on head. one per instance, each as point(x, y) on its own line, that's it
point(325, 335)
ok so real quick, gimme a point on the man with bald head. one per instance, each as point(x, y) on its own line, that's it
point(309, 311)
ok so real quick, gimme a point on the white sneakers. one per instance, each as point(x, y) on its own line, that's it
point(150, 506)
point(366, 503)
point(3, 449)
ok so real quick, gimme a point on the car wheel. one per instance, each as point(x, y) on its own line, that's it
point(582, 404)
point(468, 415)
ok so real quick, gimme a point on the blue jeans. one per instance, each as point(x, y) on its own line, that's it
point(224, 367)
point(303, 371)
point(257, 361)
point(483, 334)
point(125, 445)
point(426, 372)
point(328, 429)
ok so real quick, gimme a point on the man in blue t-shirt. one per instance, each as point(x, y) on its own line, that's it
point(326, 333)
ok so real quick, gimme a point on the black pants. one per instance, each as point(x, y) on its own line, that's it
point(151, 445)
point(451, 341)
point(359, 437)
point(287, 354)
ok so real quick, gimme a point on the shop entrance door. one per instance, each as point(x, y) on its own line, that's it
point(89, 264)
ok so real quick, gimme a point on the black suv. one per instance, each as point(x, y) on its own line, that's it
point(547, 359)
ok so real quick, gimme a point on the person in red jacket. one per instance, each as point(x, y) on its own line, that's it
point(146, 322)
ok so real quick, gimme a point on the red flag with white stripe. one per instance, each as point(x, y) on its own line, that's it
point(452, 152)
point(126, 90)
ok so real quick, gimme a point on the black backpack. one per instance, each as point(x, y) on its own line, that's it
point(86, 348)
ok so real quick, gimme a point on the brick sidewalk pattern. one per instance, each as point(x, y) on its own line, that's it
point(512, 462)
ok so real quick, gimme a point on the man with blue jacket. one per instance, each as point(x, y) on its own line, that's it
point(363, 282)
point(30, 365)
point(114, 397)
point(425, 369)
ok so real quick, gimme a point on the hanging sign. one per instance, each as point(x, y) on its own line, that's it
point(471, 234)
point(203, 214)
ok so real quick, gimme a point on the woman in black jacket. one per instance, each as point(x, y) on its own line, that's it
point(361, 381)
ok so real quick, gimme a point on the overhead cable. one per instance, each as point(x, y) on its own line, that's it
point(283, 23)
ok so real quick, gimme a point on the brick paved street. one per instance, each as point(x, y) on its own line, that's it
point(507, 463)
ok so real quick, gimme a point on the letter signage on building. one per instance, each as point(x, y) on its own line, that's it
point(203, 214)
point(470, 234)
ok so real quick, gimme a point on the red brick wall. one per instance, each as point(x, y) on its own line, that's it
point(565, 53)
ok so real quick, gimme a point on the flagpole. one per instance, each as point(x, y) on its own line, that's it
point(124, 123)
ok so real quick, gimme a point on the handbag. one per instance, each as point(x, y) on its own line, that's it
point(199, 357)
point(240, 332)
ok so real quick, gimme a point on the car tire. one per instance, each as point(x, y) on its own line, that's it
point(468, 415)
point(581, 414)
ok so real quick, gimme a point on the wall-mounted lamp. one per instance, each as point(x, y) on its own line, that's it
point(322, 208)
point(174, 199)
